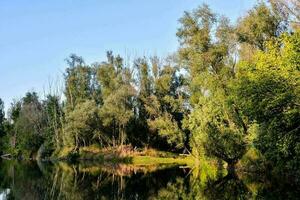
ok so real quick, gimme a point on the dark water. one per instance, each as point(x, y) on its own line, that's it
point(31, 180)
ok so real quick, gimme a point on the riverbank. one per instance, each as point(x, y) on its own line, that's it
point(125, 155)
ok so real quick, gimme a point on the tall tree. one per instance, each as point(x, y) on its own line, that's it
point(140, 130)
point(29, 125)
point(78, 81)
point(82, 124)
point(54, 119)
point(215, 123)
point(118, 93)
point(165, 105)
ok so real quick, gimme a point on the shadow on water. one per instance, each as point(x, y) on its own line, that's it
point(30, 180)
point(228, 187)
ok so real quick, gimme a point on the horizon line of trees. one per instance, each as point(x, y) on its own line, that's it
point(228, 88)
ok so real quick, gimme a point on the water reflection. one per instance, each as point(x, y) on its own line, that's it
point(32, 181)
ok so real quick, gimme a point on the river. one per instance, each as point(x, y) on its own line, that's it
point(33, 181)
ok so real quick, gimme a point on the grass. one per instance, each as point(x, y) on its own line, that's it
point(125, 154)
point(149, 160)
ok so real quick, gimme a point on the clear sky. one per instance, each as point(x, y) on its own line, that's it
point(37, 35)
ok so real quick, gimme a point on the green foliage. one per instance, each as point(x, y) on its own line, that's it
point(118, 93)
point(268, 92)
point(165, 106)
point(29, 127)
point(54, 117)
point(167, 127)
point(215, 132)
point(259, 25)
point(81, 124)
point(215, 123)
point(79, 82)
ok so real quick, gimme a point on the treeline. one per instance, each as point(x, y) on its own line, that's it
point(228, 88)
point(108, 104)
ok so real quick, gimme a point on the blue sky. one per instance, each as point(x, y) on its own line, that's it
point(36, 36)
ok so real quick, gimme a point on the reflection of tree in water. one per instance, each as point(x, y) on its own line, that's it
point(72, 183)
point(27, 181)
point(19, 180)
point(228, 187)
point(46, 181)
point(251, 186)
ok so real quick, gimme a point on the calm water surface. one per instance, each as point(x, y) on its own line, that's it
point(31, 181)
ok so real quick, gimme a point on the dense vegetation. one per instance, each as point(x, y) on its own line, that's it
point(228, 89)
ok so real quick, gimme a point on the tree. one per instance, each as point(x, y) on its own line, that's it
point(107, 76)
point(194, 38)
point(117, 93)
point(216, 125)
point(13, 115)
point(268, 93)
point(29, 124)
point(81, 89)
point(140, 129)
point(165, 106)
point(79, 81)
point(117, 111)
point(82, 124)
point(257, 27)
point(54, 119)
